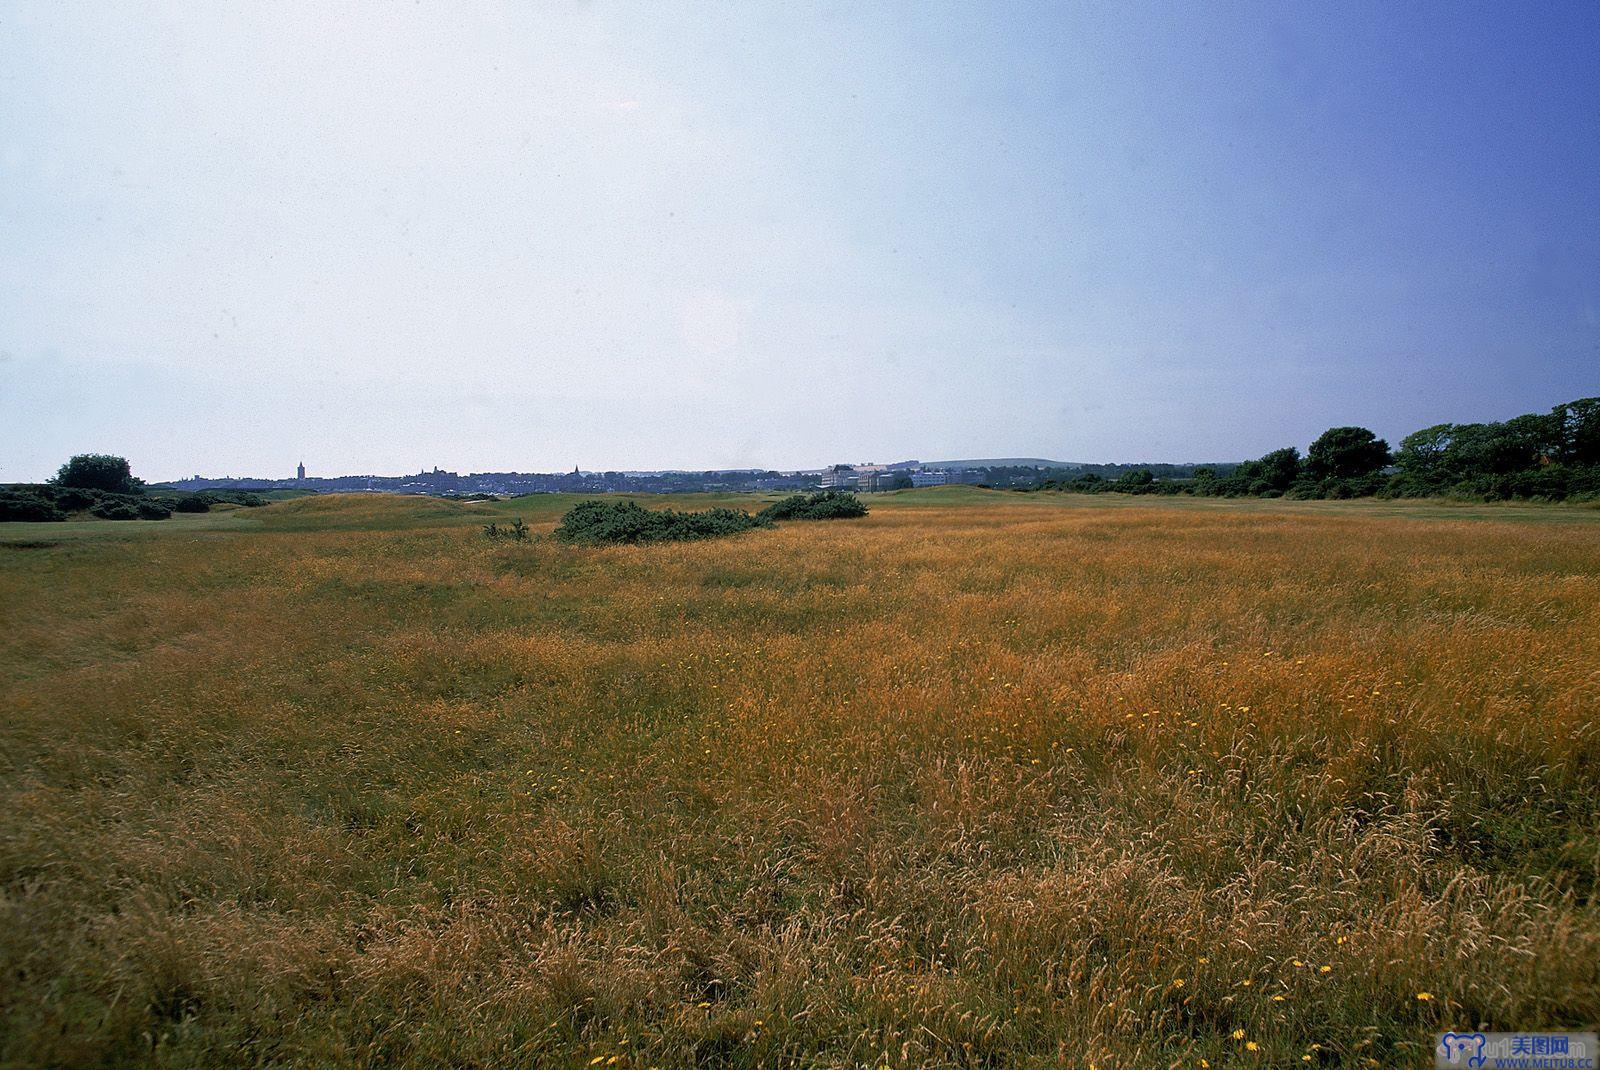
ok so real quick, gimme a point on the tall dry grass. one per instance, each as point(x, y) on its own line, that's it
point(998, 782)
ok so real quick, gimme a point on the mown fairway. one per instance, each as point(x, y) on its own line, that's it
point(980, 780)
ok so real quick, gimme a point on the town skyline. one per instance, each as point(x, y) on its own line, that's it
point(863, 476)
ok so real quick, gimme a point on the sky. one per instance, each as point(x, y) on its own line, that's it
point(381, 237)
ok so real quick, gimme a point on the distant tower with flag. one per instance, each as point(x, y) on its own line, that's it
point(300, 472)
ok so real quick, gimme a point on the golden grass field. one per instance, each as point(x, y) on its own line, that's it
point(984, 779)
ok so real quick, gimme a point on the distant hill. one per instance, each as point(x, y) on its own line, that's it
point(1040, 462)
point(1003, 462)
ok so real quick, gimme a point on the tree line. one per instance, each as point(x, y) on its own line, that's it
point(1552, 456)
point(103, 485)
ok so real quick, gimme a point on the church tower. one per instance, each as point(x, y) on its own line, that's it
point(300, 472)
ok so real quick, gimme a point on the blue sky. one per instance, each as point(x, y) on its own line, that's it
point(378, 237)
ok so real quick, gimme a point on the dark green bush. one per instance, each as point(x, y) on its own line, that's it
point(1137, 481)
point(115, 509)
point(27, 506)
point(193, 503)
point(1408, 485)
point(99, 471)
point(1088, 483)
point(74, 499)
point(1553, 482)
point(130, 507)
point(628, 522)
point(824, 505)
point(218, 495)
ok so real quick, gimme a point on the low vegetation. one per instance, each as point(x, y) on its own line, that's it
point(102, 486)
point(629, 522)
point(824, 505)
point(516, 531)
point(129, 507)
point(50, 502)
point(982, 780)
point(23, 505)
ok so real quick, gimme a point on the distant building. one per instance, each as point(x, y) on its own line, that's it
point(873, 477)
point(838, 475)
point(300, 472)
point(865, 477)
point(883, 479)
point(932, 478)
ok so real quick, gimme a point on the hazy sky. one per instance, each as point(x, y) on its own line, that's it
point(384, 236)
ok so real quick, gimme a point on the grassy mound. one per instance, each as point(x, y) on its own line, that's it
point(824, 505)
point(628, 522)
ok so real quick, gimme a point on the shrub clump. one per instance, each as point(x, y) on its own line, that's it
point(46, 501)
point(628, 522)
point(824, 505)
point(111, 509)
point(73, 499)
point(518, 532)
point(24, 505)
point(130, 507)
point(52, 501)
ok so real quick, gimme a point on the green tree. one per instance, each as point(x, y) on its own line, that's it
point(1280, 468)
point(1135, 481)
point(1500, 449)
point(1424, 453)
point(1577, 429)
point(99, 471)
point(1346, 453)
